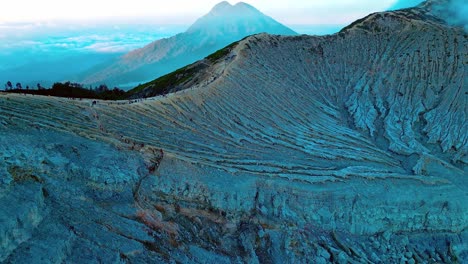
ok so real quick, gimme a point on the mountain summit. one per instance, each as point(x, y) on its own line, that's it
point(225, 8)
point(240, 18)
point(224, 24)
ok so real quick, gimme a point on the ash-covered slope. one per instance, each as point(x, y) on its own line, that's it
point(392, 74)
point(345, 148)
point(224, 24)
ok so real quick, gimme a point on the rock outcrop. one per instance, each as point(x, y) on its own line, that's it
point(349, 148)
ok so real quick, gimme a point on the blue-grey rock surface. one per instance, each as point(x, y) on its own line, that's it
point(349, 148)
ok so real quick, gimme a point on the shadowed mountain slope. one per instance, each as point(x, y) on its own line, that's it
point(344, 148)
point(224, 24)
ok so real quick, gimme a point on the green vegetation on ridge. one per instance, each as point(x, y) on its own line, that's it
point(171, 81)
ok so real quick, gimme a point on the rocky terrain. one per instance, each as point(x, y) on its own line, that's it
point(224, 24)
point(348, 148)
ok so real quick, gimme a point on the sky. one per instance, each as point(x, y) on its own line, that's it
point(405, 3)
point(183, 11)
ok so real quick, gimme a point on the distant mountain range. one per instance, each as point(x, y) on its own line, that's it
point(224, 24)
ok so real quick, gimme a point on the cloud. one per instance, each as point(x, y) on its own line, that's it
point(88, 38)
point(63, 45)
point(455, 13)
point(19, 44)
point(111, 47)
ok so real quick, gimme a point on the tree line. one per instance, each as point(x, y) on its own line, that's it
point(18, 86)
point(71, 90)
